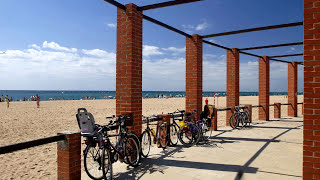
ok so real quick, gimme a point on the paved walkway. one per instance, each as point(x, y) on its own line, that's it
point(268, 150)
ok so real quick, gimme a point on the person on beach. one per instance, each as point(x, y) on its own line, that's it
point(7, 101)
point(1, 99)
point(38, 101)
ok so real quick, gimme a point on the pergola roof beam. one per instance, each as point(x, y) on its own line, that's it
point(115, 3)
point(166, 26)
point(216, 45)
point(254, 29)
point(287, 55)
point(272, 46)
point(165, 4)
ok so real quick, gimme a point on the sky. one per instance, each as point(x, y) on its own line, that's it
point(71, 45)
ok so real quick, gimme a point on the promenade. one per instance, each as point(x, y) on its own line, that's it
point(267, 150)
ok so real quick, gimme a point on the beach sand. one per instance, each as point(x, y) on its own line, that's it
point(23, 121)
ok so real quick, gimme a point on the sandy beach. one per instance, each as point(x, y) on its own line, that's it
point(23, 121)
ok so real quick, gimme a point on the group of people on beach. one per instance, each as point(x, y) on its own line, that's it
point(8, 100)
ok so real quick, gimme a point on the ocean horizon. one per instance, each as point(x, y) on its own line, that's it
point(47, 95)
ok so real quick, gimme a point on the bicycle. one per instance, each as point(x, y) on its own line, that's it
point(159, 136)
point(174, 127)
point(100, 153)
point(205, 123)
point(189, 132)
point(239, 118)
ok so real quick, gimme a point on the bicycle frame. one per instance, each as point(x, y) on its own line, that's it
point(157, 133)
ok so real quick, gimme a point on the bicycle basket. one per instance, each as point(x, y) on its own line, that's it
point(128, 121)
point(86, 122)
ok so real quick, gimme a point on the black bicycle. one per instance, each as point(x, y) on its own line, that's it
point(189, 133)
point(178, 115)
point(240, 118)
point(100, 153)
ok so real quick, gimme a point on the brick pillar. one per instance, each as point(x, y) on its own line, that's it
point(311, 121)
point(249, 108)
point(214, 121)
point(264, 88)
point(129, 65)
point(69, 156)
point(194, 74)
point(232, 81)
point(277, 110)
point(292, 89)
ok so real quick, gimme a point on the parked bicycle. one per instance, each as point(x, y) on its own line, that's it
point(100, 153)
point(160, 136)
point(174, 126)
point(205, 123)
point(240, 118)
point(189, 133)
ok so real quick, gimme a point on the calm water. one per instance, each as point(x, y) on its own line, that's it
point(76, 95)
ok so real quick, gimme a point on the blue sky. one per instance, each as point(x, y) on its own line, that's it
point(71, 45)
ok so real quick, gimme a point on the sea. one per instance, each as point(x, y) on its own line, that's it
point(46, 95)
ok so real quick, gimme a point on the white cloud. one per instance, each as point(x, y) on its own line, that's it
point(151, 50)
point(192, 28)
point(174, 49)
point(56, 46)
point(98, 53)
point(202, 26)
point(56, 69)
point(35, 46)
point(112, 25)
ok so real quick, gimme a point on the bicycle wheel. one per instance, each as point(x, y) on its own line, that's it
point(106, 163)
point(206, 129)
point(132, 150)
point(173, 134)
point(162, 138)
point(93, 161)
point(145, 143)
point(189, 134)
point(233, 121)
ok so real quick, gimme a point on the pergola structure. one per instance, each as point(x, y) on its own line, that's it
point(129, 71)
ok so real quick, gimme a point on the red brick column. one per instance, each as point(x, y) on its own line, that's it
point(232, 81)
point(249, 108)
point(214, 121)
point(292, 89)
point(69, 156)
point(311, 121)
point(264, 88)
point(277, 110)
point(194, 74)
point(129, 65)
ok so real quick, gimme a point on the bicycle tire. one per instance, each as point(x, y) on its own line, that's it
point(132, 150)
point(233, 121)
point(93, 169)
point(107, 163)
point(173, 134)
point(189, 134)
point(162, 138)
point(145, 141)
